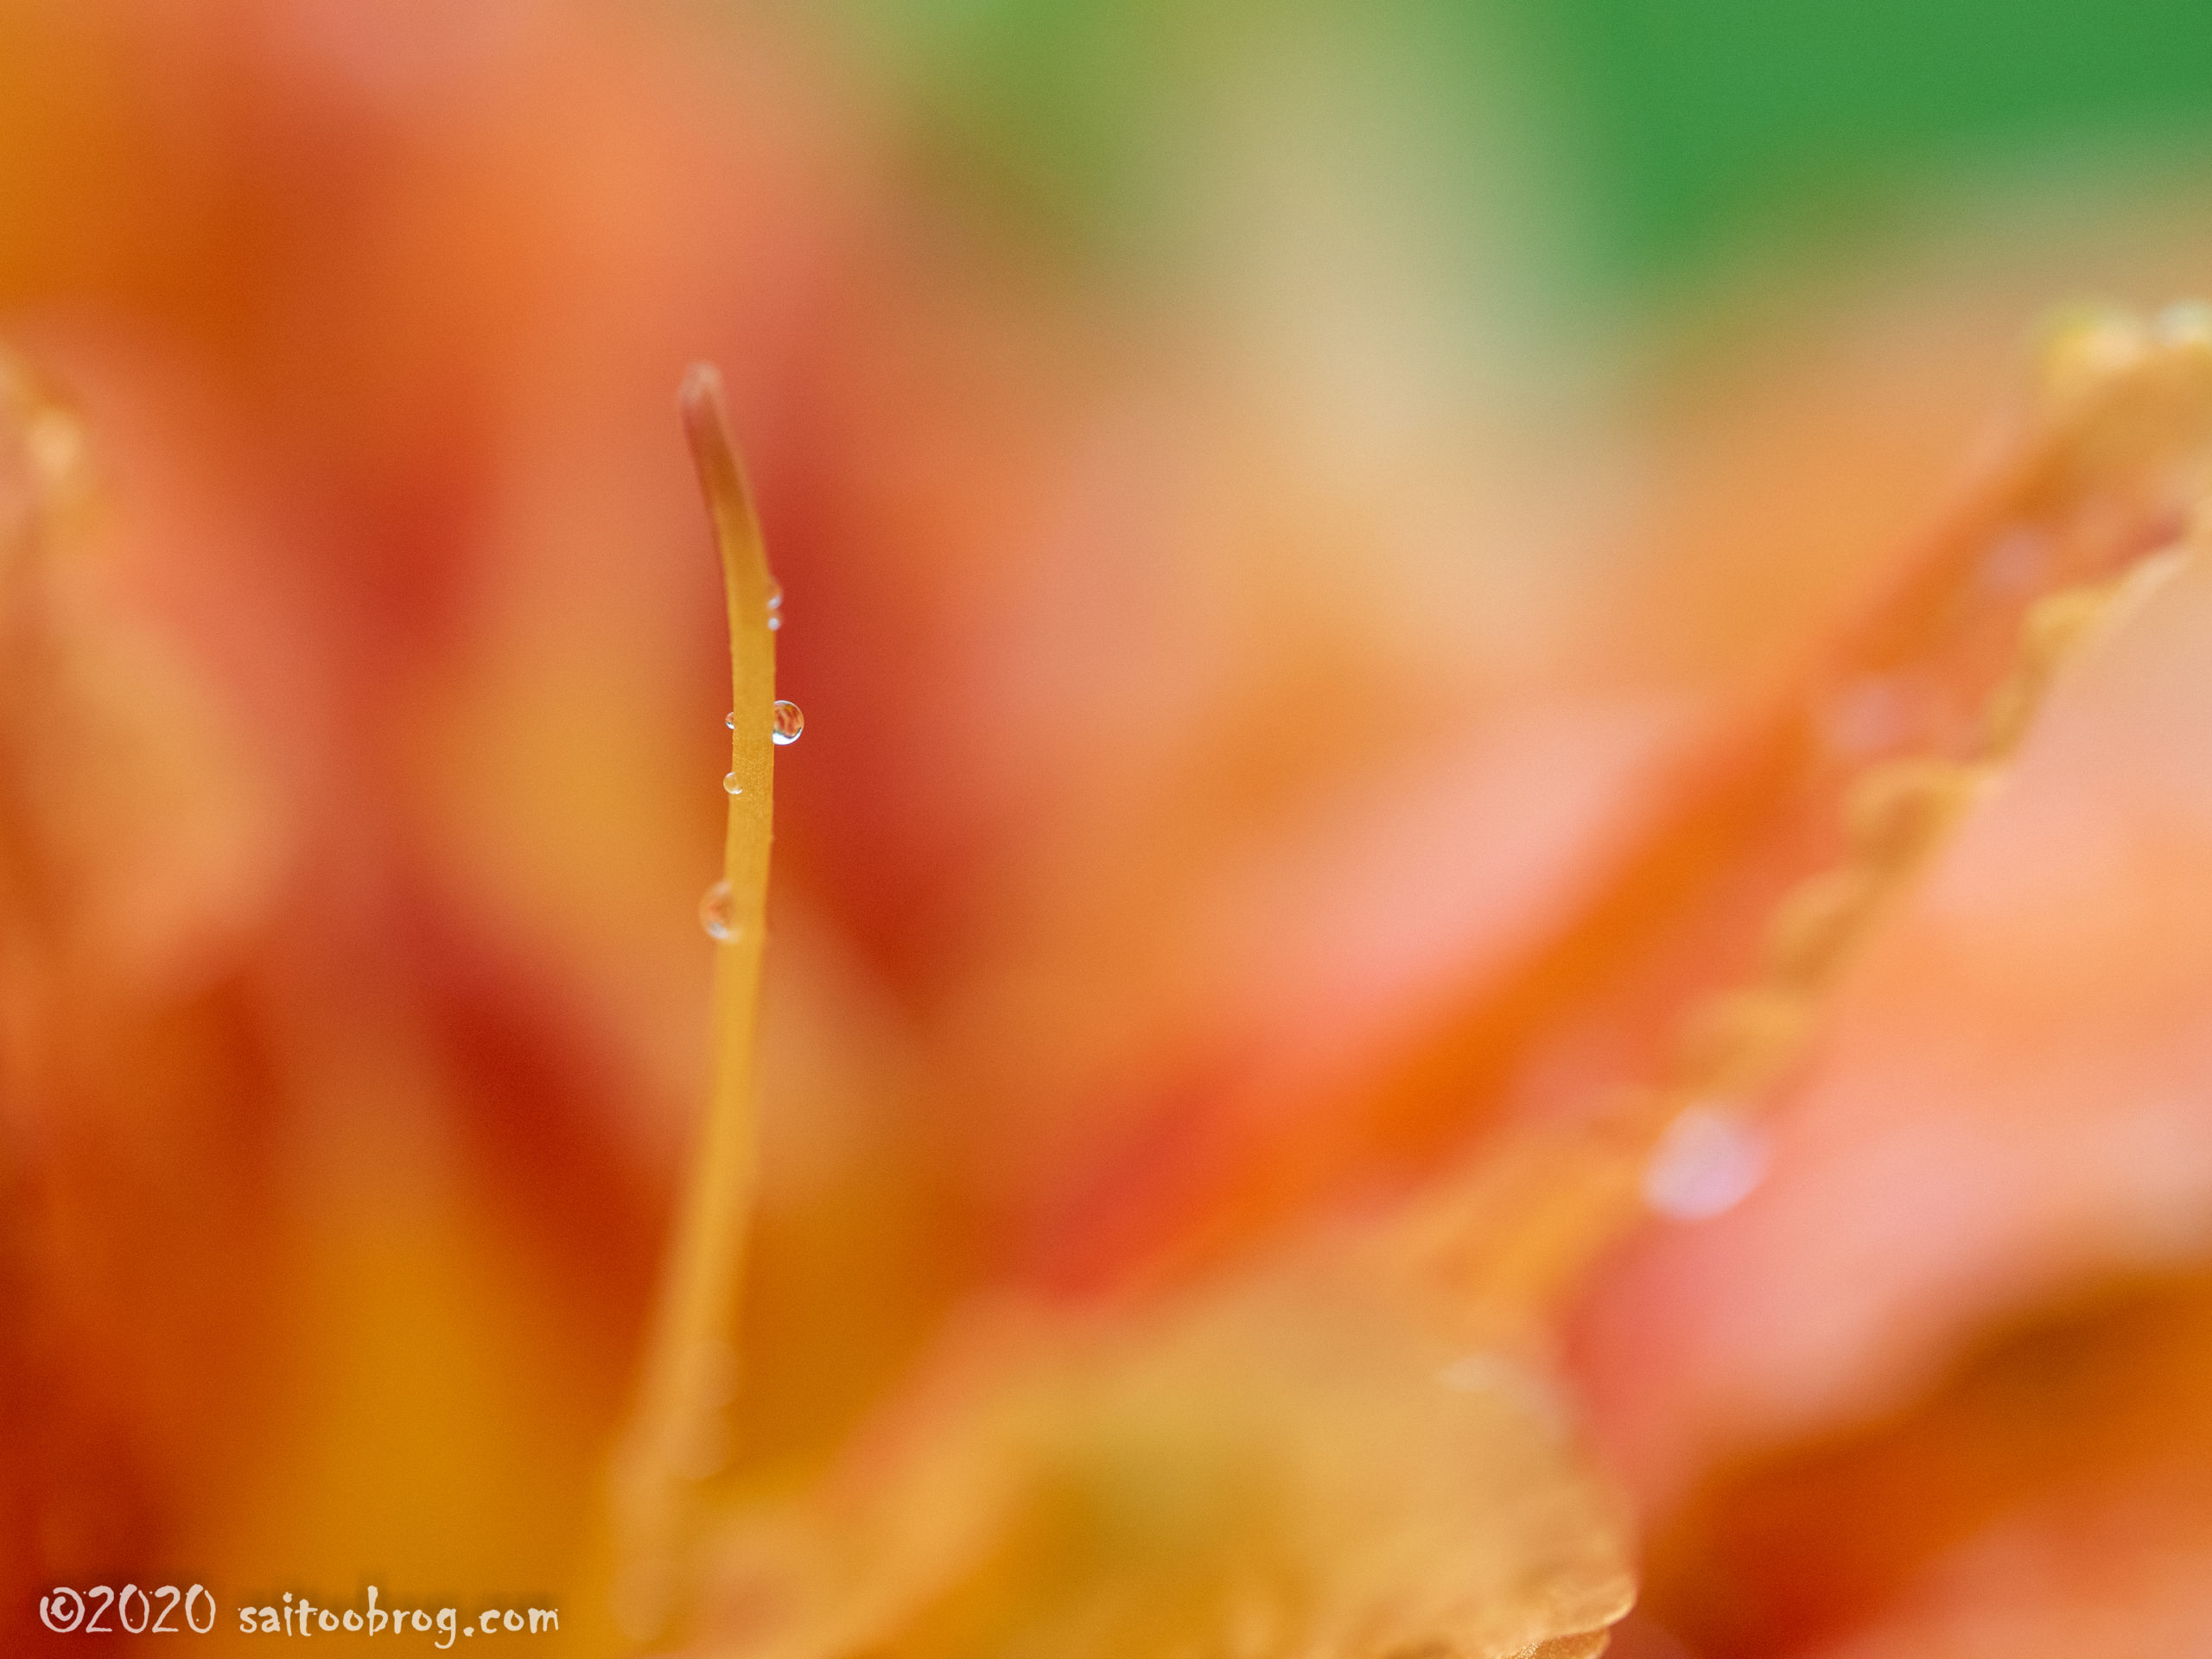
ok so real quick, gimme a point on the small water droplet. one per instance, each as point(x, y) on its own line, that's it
point(775, 596)
point(775, 625)
point(718, 912)
point(1705, 1164)
point(730, 786)
point(730, 719)
point(790, 722)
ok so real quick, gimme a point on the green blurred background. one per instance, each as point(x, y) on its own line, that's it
point(1680, 133)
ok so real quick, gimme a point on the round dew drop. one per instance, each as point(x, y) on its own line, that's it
point(718, 912)
point(730, 786)
point(790, 722)
point(1705, 1165)
point(775, 605)
point(730, 719)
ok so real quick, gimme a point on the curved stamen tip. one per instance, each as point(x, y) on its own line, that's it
point(706, 419)
point(706, 426)
point(702, 380)
point(722, 480)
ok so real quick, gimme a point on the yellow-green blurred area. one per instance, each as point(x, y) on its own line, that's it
point(1681, 131)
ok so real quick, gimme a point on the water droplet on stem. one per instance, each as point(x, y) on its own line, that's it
point(1706, 1164)
point(718, 912)
point(790, 722)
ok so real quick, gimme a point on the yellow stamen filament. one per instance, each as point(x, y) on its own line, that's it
point(679, 1434)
